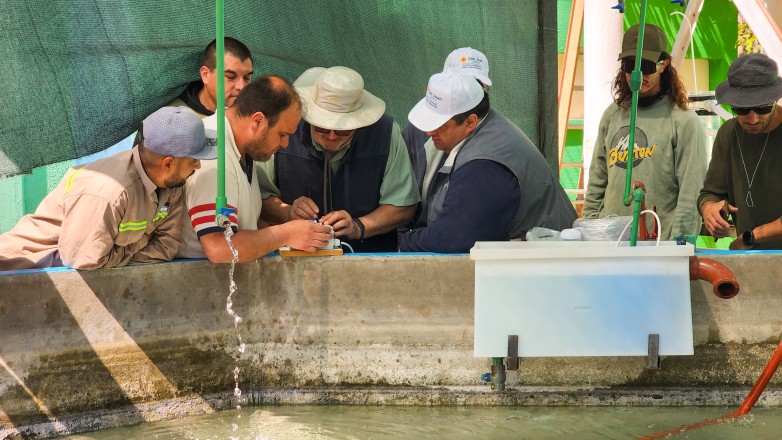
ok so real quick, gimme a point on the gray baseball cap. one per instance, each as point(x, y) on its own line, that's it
point(177, 132)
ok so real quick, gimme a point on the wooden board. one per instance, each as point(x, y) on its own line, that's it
point(288, 252)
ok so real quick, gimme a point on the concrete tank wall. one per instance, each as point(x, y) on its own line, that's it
point(353, 329)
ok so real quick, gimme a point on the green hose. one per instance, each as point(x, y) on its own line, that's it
point(221, 201)
point(636, 78)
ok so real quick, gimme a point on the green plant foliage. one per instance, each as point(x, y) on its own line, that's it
point(747, 39)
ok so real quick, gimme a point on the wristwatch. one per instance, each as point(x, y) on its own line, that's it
point(748, 238)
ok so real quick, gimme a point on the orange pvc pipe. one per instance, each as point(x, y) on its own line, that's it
point(765, 376)
point(746, 406)
point(723, 281)
point(683, 428)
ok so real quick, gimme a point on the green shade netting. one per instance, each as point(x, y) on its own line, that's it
point(81, 75)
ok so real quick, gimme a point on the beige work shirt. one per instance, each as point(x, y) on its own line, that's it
point(107, 213)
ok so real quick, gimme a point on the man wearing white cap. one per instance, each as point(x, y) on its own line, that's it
point(265, 115)
point(346, 164)
point(462, 60)
point(123, 209)
point(487, 181)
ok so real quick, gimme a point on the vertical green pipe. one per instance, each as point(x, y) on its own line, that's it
point(636, 78)
point(221, 201)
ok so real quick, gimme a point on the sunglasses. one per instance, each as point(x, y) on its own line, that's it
point(340, 133)
point(762, 110)
point(647, 67)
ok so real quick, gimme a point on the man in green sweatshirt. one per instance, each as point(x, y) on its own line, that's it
point(669, 156)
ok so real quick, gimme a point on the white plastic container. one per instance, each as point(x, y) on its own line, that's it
point(585, 298)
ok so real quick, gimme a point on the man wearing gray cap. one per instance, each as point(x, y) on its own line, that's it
point(743, 178)
point(123, 209)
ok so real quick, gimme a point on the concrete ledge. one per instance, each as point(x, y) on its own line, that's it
point(409, 396)
point(341, 328)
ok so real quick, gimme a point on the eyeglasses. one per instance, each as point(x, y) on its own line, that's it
point(340, 133)
point(761, 110)
point(647, 67)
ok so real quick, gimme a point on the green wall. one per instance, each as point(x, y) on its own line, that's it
point(20, 195)
point(715, 32)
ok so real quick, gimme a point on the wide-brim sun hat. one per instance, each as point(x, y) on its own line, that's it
point(447, 95)
point(753, 80)
point(335, 99)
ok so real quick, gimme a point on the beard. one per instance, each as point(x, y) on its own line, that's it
point(176, 181)
point(256, 150)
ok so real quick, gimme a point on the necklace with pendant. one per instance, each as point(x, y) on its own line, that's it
point(748, 198)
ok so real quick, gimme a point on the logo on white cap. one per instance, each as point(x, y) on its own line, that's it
point(447, 95)
point(470, 61)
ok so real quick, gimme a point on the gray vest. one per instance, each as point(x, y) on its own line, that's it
point(544, 202)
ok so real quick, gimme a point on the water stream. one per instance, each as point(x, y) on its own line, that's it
point(237, 319)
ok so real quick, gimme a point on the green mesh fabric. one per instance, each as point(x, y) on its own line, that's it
point(80, 75)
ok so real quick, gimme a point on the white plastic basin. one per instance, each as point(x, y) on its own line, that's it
point(587, 298)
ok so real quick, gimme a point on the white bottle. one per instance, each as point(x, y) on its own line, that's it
point(570, 235)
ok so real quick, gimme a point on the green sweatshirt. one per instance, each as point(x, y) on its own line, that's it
point(727, 178)
point(670, 160)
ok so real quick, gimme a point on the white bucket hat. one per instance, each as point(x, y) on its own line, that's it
point(447, 95)
point(335, 99)
point(470, 61)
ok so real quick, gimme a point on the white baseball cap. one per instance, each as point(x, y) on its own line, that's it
point(447, 95)
point(470, 61)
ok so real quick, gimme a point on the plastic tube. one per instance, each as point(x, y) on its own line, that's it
point(692, 49)
point(723, 282)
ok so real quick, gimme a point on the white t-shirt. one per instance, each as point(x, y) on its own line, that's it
point(241, 190)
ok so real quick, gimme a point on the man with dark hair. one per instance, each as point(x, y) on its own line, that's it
point(669, 155)
point(123, 209)
point(201, 95)
point(743, 178)
point(264, 116)
point(346, 164)
point(472, 188)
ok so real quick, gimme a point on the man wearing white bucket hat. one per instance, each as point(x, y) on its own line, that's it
point(346, 164)
point(472, 188)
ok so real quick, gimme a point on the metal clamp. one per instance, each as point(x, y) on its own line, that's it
point(512, 361)
point(653, 358)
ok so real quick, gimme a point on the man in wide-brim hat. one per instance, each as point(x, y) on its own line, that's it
point(743, 178)
point(346, 166)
